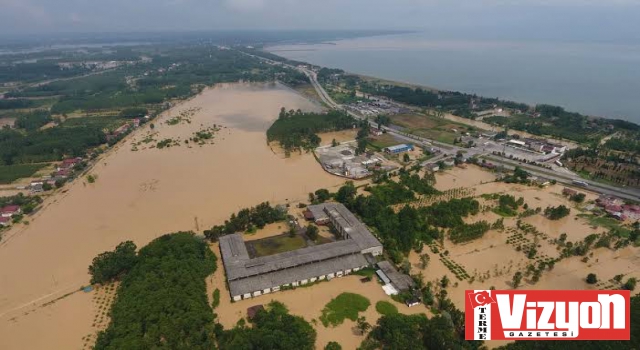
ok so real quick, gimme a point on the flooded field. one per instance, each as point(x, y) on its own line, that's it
point(141, 192)
point(492, 261)
point(308, 302)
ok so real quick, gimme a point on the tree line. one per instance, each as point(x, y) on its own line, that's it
point(296, 130)
point(162, 302)
point(247, 219)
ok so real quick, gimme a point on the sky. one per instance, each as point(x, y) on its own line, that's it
point(569, 19)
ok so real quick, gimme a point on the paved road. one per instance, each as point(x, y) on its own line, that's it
point(627, 193)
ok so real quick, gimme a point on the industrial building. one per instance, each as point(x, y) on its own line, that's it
point(399, 148)
point(249, 278)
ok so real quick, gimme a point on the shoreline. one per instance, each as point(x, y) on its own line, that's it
point(270, 48)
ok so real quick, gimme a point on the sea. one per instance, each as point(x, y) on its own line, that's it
point(593, 78)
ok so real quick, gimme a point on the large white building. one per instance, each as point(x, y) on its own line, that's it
point(249, 277)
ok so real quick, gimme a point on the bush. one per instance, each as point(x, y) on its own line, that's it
point(630, 284)
point(216, 299)
point(345, 305)
point(386, 308)
point(592, 279)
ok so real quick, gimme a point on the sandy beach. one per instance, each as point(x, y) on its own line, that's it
point(140, 195)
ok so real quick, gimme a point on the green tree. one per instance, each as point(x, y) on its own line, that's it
point(363, 325)
point(517, 278)
point(630, 284)
point(592, 278)
point(312, 232)
point(406, 158)
point(444, 282)
point(323, 195)
point(272, 328)
point(424, 260)
point(346, 193)
point(333, 346)
point(109, 266)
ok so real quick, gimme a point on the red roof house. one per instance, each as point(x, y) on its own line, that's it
point(70, 162)
point(10, 210)
point(4, 221)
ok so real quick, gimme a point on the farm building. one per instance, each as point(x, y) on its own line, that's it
point(390, 276)
point(399, 148)
point(249, 277)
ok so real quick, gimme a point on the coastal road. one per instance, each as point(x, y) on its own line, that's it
point(626, 193)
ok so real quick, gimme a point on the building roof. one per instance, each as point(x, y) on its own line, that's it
point(356, 230)
point(4, 219)
point(10, 209)
point(399, 280)
point(247, 275)
point(253, 310)
point(297, 273)
point(398, 147)
point(383, 277)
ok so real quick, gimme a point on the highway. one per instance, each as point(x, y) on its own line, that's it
point(626, 193)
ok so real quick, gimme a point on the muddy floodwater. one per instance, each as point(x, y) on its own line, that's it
point(140, 193)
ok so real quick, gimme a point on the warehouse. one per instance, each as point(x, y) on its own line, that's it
point(399, 148)
point(262, 275)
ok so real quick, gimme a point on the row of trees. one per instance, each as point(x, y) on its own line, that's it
point(248, 219)
point(48, 145)
point(556, 213)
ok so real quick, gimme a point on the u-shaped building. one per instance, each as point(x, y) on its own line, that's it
point(250, 277)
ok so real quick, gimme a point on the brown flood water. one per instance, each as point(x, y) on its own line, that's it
point(140, 195)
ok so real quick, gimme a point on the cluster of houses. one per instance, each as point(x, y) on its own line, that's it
point(7, 212)
point(125, 128)
point(63, 171)
point(613, 206)
point(536, 145)
point(617, 208)
point(376, 106)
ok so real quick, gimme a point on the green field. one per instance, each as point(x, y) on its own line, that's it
point(386, 308)
point(608, 223)
point(277, 244)
point(434, 128)
point(11, 173)
point(382, 141)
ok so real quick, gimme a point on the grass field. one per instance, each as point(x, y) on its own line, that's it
point(438, 129)
point(386, 308)
point(382, 141)
point(345, 305)
point(10, 173)
point(105, 122)
point(608, 223)
point(277, 244)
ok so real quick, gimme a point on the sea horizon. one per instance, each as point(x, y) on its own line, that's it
point(592, 78)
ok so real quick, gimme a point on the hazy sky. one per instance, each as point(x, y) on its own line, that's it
point(600, 19)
